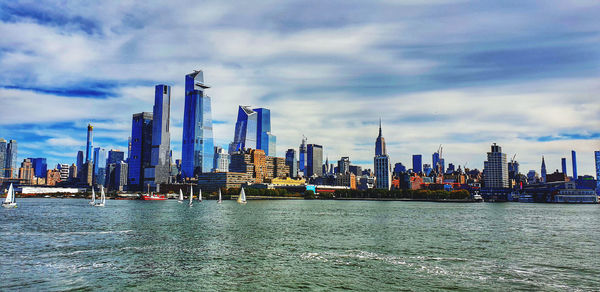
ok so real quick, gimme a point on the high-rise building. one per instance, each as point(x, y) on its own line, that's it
point(198, 143)
point(40, 167)
point(141, 149)
point(417, 163)
point(2, 157)
point(543, 170)
point(246, 128)
point(73, 172)
point(597, 160)
point(99, 166)
point(26, 171)
point(357, 170)
point(513, 169)
point(79, 162)
point(344, 165)
point(265, 140)
point(221, 160)
point(563, 163)
point(314, 165)
point(115, 156)
point(64, 171)
point(302, 156)
point(399, 168)
point(120, 176)
point(90, 141)
point(427, 169)
point(11, 160)
point(435, 162)
point(291, 162)
point(159, 170)
point(381, 163)
point(495, 169)
point(574, 161)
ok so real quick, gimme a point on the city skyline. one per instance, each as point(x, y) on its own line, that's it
point(512, 96)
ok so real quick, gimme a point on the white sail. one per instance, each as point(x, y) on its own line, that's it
point(200, 195)
point(220, 200)
point(10, 195)
point(93, 197)
point(191, 196)
point(102, 195)
point(180, 196)
point(242, 197)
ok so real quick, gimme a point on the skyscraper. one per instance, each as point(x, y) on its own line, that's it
point(302, 156)
point(344, 165)
point(417, 163)
point(574, 160)
point(381, 163)
point(2, 157)
point(39, 167)
point(265, 140)
point(246, 128)
point(141, 149)
point(159, 170)
point(543, 169)
point(79, 163)
point(11, 160)
point(291, 162)
point(198, 143)
point(99, 166)
point(314, 165)
point(563, 163)
point(435, 162)
point(89, 146)
point(221, 160)
point(115, 156)
point(495, 169)
point(597, 158)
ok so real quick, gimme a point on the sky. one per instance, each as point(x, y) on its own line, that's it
point(461, 74)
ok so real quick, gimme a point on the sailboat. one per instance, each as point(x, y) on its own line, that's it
point(191, 197)
point(10, 201)
point(102, 198)
point(220, 200)
point(93, 201)
point(200, 196)
point(242, 198)
point(180, 196)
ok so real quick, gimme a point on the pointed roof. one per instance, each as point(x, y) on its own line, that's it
point(380, 143)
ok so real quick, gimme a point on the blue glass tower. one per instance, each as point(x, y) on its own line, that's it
point(435, 162)
point(141, 149)
point(302, 156)
point(99, 165)
point(198, 144)
point(39, 167)
point(245, 130)
point(11, 160)
point(160, 161)
point(264, 139)
point(417, 163)
point(574, 161)
point(89, 146)
point(563, 162)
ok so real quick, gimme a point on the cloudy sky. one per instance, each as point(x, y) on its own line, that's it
point(524, 74)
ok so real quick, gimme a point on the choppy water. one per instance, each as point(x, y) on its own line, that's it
point(60, 244)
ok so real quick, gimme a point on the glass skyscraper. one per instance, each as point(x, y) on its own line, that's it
point(79, 162)
point(198, 143)
point(253, 131)
point(314, 165)
point(11, 160)
point(99, 166)
point(264, 139)
point(574, 161)
point(89, 146)
point(2, 157)
point(160, 161)
point(417, 163)
point(39, 167)
point(141, 149)
point(290, 160)
point(302, 156)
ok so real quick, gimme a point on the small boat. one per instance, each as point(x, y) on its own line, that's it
point(153, 197)
point(180, 200)
point(10, 201)
point(191, 197)
point(220, 200)
point(242, 197)
point(200, 196)
point(102, 198)
point(46, 196)
point(93, 201)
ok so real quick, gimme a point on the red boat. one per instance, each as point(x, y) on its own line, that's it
point(154, 197)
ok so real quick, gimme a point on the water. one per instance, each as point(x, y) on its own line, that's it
point(61, 244)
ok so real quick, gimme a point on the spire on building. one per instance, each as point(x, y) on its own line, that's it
point(380, 143)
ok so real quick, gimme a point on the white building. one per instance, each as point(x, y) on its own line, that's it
point(495, 169)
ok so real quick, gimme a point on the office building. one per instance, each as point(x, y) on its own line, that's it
point(141, 149)
point(246, 128)
point(2, 157)
point(399, 168)
point(417, 163)
point(291, 162)
point(73, 172)
point(63, 169)
point(302, 156)
point(198, 143)
point(221, 160)
point(574, 161)
point(89, 145)
point(99, 166)
point(115, 156)
point(344, 165)
point(265, 140)
point(357, 170)
point(496, 169)
point(597, 160)
point(314, 160)
point(40, 167)
point(543, 170)
point(26, 171)
point(159, 170)
point(11, 170)
point(79, 162)
point(381, 163)
point(563, 164)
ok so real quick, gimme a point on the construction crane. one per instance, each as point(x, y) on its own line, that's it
point(513, 158)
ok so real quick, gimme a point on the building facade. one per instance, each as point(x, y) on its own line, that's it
point(381, 163)
point(26, 171)
point(291, 162)
point(302, 156)
point(574, 161)
point(141, 149)
point(265, 140)
point(79, 162)
point(159, 170)
point(198, 143)
point(90, 143)
point(221, 160)
point(99, 166)
point(11, 170)
point(417, 163)
point(246, 128)
point(597, 160)
point(314, 160)
point(563, 164)
point(344, 165)
point(39, 167)
point(496, 169)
